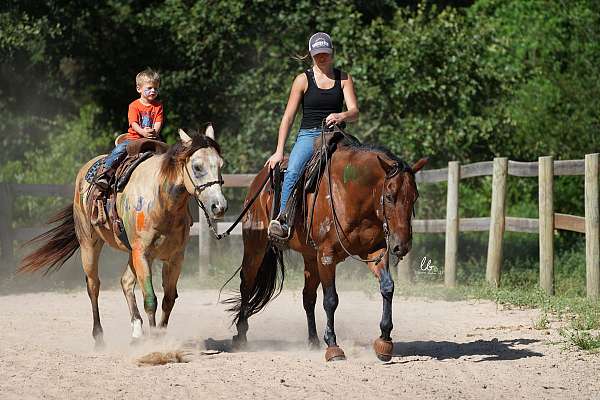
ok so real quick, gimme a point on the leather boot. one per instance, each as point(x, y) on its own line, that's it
point(103, 180)
point(279, 229)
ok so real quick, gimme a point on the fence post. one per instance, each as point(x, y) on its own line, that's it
point(203, 245)
point(404, 268)
point(6, 229)
point(592, 226)
point(546, 222)
point(497, 221)
point(451, 224)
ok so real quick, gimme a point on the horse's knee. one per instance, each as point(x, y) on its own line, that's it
point(386, 284)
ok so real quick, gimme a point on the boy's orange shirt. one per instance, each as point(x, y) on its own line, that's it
point(145, 116)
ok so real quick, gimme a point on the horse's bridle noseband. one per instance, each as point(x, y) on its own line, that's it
point(396, 168)
point(198, 189)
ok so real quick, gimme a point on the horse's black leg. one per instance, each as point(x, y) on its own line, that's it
point(386, 286)
point(250, 265)
point(383, 346)
point(239, 340)
point(330, 303)
point(309, 299)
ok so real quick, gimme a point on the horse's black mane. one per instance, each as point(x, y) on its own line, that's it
point(350, 142)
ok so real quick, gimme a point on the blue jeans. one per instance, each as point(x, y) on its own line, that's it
point(116, 155)
point(301, 153)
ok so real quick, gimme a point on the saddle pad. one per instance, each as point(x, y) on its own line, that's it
point(91, 173)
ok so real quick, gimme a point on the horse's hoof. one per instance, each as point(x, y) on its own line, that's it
point(334, 353)
point(314, 344)
point(238, 343)
point(99, 344)
point(134, 341)
point(136, 329)
point(383, 349)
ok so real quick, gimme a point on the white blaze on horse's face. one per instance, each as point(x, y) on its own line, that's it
point(204, 166)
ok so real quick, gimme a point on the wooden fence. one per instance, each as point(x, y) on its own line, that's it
point(545, 169)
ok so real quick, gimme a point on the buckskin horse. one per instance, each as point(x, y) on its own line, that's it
point(154, 210)
point(362, 208)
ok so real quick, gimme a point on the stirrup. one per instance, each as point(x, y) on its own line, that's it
point(278, 231)
point(102, 182)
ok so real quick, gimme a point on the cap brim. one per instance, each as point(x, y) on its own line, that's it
point(319, 51)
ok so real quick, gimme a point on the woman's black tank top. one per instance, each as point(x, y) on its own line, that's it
point(317, 103)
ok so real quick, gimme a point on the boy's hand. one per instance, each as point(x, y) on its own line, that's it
point(149, 132)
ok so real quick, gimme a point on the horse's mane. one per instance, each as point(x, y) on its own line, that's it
point(179, 153)
point(352, 143)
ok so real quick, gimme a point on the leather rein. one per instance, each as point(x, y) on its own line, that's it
point(397, 167)
point(198, 189)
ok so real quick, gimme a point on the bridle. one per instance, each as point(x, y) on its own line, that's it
point(198, 189)
point(396, 168)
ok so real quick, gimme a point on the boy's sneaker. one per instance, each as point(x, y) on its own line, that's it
point(279, 230)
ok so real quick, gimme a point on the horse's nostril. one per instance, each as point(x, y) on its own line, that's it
point(396, 249)
point(217, 209)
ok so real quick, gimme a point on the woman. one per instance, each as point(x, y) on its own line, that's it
point(321, 90)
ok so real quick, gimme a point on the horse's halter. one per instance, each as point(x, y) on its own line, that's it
point(198, 189)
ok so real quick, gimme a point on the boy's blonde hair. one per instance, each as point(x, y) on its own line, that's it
point(147, 76)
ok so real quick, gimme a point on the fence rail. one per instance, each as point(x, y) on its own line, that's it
point(497, 223)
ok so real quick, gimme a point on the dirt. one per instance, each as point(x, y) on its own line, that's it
point(443, 350)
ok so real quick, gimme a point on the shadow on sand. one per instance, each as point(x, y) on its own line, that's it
point(483, 350)
point(490, 350)
point(225, 345)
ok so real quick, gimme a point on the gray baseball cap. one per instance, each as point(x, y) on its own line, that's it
point(320, 42)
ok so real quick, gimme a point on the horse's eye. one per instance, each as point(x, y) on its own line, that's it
point(198, 170)
point(389, 197)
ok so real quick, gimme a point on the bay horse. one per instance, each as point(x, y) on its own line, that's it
point(154, 210)
point(363, 207)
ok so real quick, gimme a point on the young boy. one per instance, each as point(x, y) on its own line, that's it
point(145, 120)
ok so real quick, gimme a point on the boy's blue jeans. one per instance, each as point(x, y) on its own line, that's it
point(301, 153)
point(116, 154)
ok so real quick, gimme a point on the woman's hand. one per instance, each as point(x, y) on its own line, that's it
point(334, 119)
point(274, 160)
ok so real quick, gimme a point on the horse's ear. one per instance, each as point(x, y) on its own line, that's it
point(185, 138)
point(387, 165)
point(420, 164)
point(210, 132)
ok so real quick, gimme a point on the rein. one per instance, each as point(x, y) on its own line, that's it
point(198, 190)
point(396, 169)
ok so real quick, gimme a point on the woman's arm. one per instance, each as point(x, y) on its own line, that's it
point(287, 120)
point(351, 114)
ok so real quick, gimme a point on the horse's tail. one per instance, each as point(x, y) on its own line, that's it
point(59, 244)
point(267, 286)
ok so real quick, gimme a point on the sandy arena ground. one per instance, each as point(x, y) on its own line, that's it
point(444, 350)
